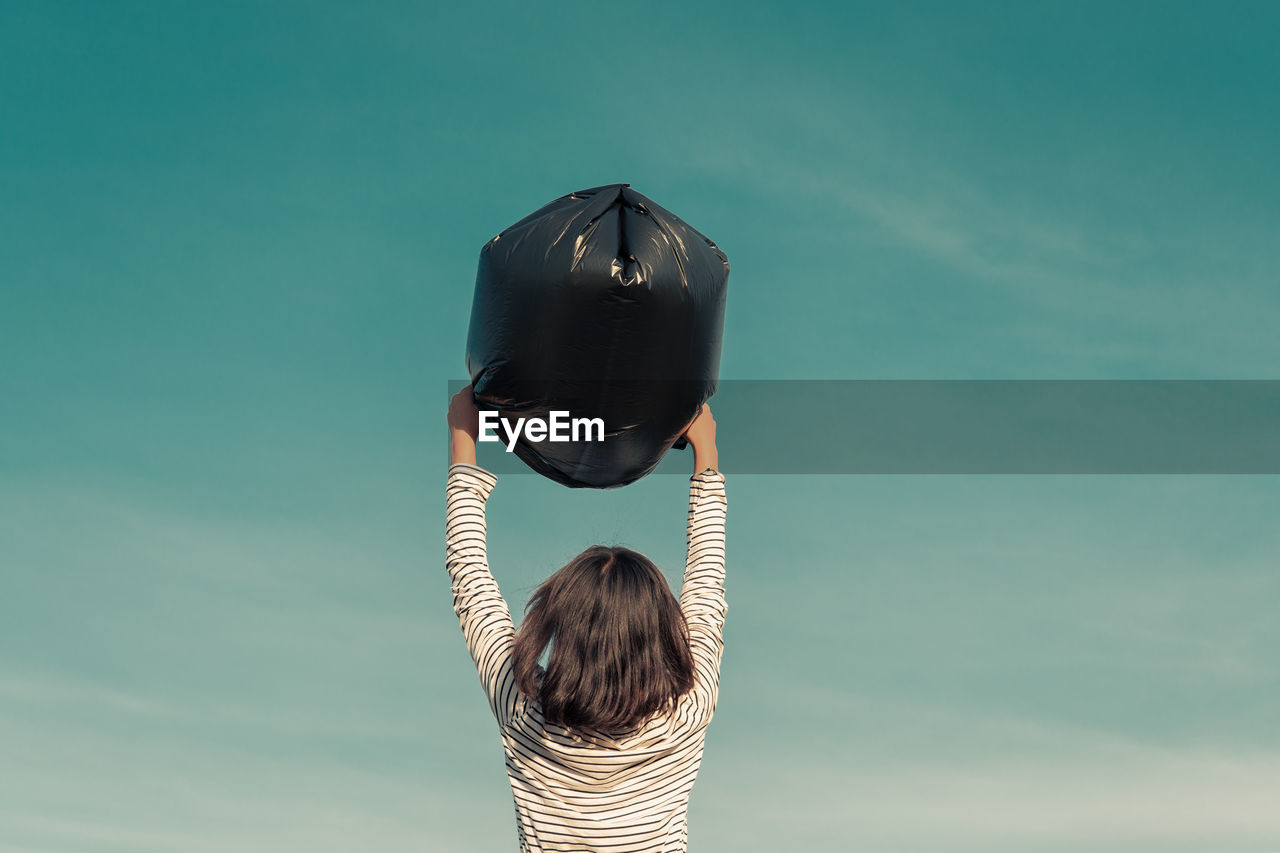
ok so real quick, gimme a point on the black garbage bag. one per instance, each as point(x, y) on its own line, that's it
point(602, 305)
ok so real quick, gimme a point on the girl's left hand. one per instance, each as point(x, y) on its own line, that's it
point(463, 415)
point(464, 426)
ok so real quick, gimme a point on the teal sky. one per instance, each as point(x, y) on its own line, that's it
point(237, 249)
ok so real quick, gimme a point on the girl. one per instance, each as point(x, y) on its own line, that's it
point(603, 744)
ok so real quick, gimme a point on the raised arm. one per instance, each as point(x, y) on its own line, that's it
point(482, 612)
point(702, 595)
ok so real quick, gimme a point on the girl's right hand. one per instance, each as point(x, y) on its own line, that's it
point(701, 434)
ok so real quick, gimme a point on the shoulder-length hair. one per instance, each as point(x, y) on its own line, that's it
point(619, 643)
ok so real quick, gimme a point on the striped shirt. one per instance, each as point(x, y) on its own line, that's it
point(627, 792)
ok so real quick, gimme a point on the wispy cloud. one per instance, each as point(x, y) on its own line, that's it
point(69, 788)
point(1107, 804)
point(162, 615)
point(1006, 783)
point(1083, 278)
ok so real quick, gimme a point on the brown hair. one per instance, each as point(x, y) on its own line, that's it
point(619, 643)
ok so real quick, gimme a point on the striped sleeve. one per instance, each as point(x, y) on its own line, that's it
point(482, 612)
point(702, 595)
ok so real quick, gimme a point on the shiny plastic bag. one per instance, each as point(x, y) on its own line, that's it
point(601, 304)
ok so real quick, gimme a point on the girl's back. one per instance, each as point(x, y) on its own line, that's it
point(626, 792)
point(581, 788)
